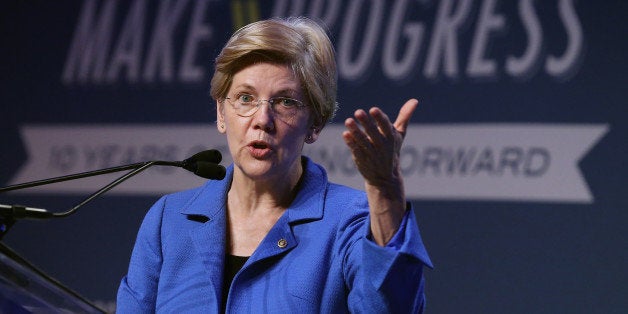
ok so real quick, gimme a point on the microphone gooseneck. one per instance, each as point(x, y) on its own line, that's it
point(204, 164)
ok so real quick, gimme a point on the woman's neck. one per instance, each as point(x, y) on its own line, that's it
point(251, 195)
point(253, 208)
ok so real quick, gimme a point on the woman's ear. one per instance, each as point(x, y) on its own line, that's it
point(220, 117)
point(312, 134)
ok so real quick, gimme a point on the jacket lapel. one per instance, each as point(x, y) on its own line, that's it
point(209, 241)
point(209, 236)
point(307, 206)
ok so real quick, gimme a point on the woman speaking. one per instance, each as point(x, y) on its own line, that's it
point(275, 236)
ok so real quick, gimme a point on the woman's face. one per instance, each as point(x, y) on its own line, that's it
point(265, 145)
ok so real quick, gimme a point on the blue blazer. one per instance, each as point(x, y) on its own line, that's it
point(317, 258)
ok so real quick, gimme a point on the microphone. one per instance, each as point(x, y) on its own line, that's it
point(204, 164)
point(210, 155)
point(206, 157)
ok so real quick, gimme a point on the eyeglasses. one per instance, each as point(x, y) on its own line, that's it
point(247, 105)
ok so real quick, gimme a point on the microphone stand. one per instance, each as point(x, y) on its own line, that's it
point(10, 213)
point(204, 164)
point(88, 174)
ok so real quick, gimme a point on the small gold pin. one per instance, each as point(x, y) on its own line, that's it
point(282, 243)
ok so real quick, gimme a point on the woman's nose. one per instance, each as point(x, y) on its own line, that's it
point(264, 117)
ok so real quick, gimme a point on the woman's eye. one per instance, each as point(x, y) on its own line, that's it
point(246, 98)
point(286, 102)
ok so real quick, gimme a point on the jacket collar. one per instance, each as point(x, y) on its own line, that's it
point(209, 237)
point(308, 204)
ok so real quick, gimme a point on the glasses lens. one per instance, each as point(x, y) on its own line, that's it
point(244, 105)
point(247, 105)
point(246, 108)
point(286, 107)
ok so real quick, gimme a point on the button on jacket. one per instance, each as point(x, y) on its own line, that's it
point(317, 258)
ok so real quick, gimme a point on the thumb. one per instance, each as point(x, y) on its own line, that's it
point(405, 113)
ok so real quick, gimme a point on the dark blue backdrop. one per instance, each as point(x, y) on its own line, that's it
point(144, 63)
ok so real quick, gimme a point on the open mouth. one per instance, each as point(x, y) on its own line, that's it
point(260, 149)
point(259, 145)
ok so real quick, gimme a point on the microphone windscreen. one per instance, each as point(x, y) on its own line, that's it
point(209, 170)
point(210, 155)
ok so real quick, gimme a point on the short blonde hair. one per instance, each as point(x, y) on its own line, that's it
point(299, 43)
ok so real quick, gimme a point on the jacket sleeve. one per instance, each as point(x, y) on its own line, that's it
point(138, 289)
point(387, 279)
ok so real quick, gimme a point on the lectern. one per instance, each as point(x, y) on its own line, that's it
point(25, 289)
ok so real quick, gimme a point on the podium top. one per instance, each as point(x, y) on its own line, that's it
point(26, 289)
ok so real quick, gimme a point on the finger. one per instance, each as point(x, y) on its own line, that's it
point(405, 113)
point(357, 135)
point(369, 126)
point(382, 120)
point(357, 151)
point(349, 140)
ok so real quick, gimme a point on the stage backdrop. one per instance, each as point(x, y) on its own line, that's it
point(515, 160)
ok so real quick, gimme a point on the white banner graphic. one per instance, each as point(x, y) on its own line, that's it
point(506, 162)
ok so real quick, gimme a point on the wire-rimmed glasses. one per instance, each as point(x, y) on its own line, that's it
point(246, 105)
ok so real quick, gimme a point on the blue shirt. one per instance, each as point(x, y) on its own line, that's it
point(317, 258)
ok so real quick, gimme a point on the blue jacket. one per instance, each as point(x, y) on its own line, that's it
point(317, 258)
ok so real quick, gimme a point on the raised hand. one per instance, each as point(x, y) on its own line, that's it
point(375, 145)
